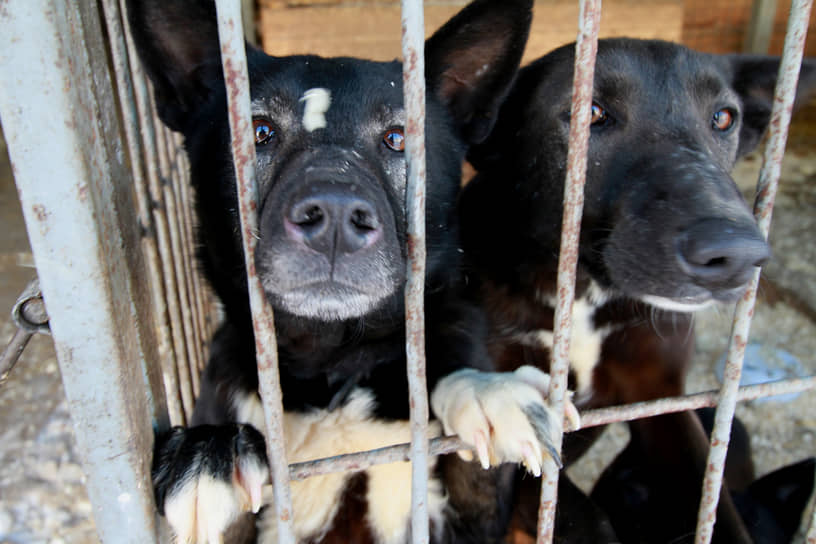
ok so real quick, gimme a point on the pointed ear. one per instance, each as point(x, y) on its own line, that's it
point(754, 78)
point(471, 61)
point(177, 41)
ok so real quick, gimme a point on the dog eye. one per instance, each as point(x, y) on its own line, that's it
point(394, 139)
point(599, 115)
point(264, 131)
point(722, 120)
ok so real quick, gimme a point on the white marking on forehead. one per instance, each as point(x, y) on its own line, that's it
point(317, 101)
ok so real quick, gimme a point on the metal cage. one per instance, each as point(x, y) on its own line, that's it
point(129, 315)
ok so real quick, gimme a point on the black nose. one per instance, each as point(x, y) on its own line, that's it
point(332, 218)
point(718, 254)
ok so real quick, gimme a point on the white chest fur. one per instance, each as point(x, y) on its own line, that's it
point(347, 429)
point(585, 339)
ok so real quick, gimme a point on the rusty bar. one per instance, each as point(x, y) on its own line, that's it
point(784, 96)
point(639, 410)
point(130, 120)
point(413, 80)
point(590, 418)
point(13, 351)
point(233, 59)
point(586, 48)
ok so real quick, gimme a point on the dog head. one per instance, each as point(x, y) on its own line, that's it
point(330, 164)
point(663, 221)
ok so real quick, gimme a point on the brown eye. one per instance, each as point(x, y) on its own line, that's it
point(264, 131)
point(394, 139)
point(599, 115)
point(722, 120)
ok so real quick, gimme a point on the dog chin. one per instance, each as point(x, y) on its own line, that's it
point(328, 306)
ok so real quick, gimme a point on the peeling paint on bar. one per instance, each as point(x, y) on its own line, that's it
point(763, 207)
point(233, 59)
point(586, 48)
point(413, 52)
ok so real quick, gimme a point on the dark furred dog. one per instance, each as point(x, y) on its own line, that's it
point(665, 232)
point(331, 255)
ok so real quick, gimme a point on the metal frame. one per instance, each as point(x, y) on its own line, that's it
point(121, 291)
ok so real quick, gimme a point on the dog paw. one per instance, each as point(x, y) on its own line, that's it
point(204, 477)
point(504, 416)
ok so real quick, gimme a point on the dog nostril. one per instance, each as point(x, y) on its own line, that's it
point(363, 220)
point(309, 216)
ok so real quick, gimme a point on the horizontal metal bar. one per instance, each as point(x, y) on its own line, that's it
point(590, 418)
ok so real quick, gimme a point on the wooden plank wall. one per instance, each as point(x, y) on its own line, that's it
point(371, 29)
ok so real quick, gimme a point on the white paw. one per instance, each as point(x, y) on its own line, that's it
point(504, 416)
point(207, 477)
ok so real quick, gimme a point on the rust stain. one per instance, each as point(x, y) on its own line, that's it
point(40, 212)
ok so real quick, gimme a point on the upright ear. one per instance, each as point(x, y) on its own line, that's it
point(471, 61)
point(177, 41)
point(754, 78)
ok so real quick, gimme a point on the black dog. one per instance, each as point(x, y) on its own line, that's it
point(771, 507)
point(331, 255)
point(665, 232)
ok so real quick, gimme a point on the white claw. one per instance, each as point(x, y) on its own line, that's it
point(530, 459)
point(480, 442)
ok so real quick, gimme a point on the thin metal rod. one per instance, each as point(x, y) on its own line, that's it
point(591, 418)
point(586, 48)
point(784, 96)
point(13, 352)
point(811, 534)
point(233, 59)
point(413, 52)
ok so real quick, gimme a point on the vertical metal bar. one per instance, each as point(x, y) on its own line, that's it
point(177, 382)
point(233, 59)
point(413, 52)
point(784, 96)
point(163, 137)
point(85, 241)
point(198, 293)
point(586, 48)
point(811, 534)
point(130, 120)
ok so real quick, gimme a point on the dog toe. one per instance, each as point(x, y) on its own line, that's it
point(503, 416)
